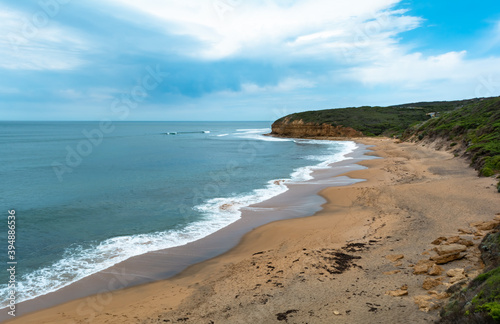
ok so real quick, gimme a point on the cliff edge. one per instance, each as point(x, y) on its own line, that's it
point(298, 128)
point(362, 121)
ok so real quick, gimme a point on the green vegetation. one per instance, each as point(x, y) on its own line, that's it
point(493, 310)
point(471, 126)
point(476, 126)
point(479, 302)
point(374, 121)
point(487, 299)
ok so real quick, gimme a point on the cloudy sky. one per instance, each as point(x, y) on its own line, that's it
point(239, 59)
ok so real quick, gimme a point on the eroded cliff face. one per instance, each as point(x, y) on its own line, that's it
point(298, 128)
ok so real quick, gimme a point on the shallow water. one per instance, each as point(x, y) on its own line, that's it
point(86, 203)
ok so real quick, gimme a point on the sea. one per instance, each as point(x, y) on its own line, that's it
point(88, 195)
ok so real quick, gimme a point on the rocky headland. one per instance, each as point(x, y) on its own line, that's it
point(300, 129)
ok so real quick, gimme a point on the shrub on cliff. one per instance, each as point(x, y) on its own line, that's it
point(375, 121)
point(479, 302)
point(476, 126)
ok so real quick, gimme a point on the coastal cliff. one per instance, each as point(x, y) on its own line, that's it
point(362, 121)
point(298, 128)
point(468, 128)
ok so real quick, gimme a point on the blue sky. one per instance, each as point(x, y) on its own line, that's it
point(239, 60)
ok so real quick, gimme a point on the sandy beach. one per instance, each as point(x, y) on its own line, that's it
point(342, 265)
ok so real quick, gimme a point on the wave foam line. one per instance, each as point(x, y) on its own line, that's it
point(305, 173)
point(79, 263)
point(258, 134)
point(196, 132)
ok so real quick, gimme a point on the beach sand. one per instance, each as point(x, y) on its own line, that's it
point(334, 267)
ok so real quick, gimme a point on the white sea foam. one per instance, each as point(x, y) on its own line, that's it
point(222, 135)
point(338, 150)
point(78, 263)
point(257, 134)
point(231, 207)
point(254, 130)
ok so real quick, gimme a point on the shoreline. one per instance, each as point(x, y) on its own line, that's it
point(300, 200)
point(374, 231)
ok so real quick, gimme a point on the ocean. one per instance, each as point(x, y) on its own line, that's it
point(89, 195)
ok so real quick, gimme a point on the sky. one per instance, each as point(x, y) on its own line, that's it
point(186, 60)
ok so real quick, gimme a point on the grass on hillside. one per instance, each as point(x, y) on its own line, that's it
point(474, 122)
point(477, 125)
point(375, 121)
point(479, 302)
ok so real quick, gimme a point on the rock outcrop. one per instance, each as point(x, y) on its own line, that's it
point(479, 302)
point(298, 128)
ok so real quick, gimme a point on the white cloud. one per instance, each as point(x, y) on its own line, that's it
point(285, 85)
point(229, 28)
point(415, 69)
point(29, 42)
point(412, 68)
point(358, 40)
point(359, 37)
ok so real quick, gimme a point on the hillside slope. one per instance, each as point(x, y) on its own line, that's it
point(474, 129)
point(371, 121)
point(479, 301)
point(469, 127)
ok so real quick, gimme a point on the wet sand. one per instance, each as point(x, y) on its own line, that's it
point(299, 201)
point(331, 267)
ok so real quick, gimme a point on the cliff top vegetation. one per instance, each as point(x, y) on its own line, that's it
point(374, 121)
point(475, 126)
point(473, 123)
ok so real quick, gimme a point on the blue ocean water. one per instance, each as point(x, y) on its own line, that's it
point(88, 196)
